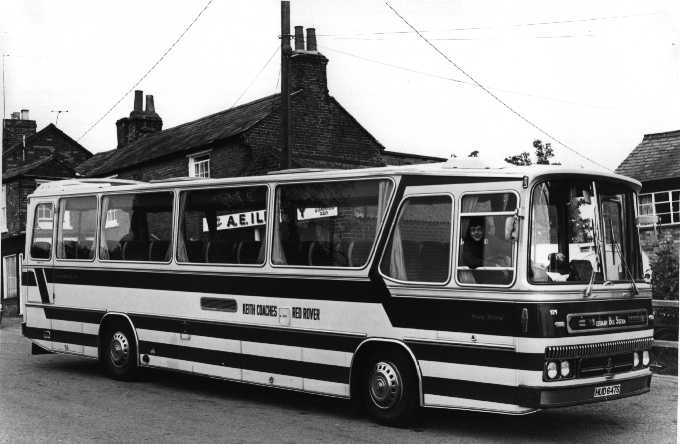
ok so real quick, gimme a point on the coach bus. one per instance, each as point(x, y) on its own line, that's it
point(504, 290)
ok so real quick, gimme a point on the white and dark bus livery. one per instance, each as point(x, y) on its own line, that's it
point(506, 290)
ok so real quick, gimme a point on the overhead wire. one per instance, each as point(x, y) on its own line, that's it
point(494, 96)
point(276, 50)
point(167, 51)
point(451, 79)
point(514, 25)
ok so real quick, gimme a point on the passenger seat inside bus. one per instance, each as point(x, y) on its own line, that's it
point(135, 250)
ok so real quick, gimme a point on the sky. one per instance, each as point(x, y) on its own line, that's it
point(594, 76)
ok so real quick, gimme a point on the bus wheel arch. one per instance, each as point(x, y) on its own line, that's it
point(118, 346)
point(375, 362)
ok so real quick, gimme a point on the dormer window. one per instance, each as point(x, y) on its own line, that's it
point(199, 165)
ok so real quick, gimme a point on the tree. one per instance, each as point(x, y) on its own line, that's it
point(475, 153)
point(543, 151)
point(519, 159)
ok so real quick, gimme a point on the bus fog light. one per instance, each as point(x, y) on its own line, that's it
point(636, 359)
point(645, 358)
point(565, 370)
point(552, 369)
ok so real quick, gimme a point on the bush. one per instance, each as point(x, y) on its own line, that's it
point(665, 272)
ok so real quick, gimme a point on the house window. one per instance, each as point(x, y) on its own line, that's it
point(3, 209)
point(665, 205)
point(199, 165)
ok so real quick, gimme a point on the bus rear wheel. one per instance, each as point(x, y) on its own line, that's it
point(390, 389)
point(120, 352)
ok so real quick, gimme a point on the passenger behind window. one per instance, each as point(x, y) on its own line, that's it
point(481, 251)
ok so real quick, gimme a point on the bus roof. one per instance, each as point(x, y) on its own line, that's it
point(455, 167)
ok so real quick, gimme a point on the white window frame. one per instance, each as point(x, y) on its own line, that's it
point(675, 219)
point(199, 164)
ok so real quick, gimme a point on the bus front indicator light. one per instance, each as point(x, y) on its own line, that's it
point(645, 358)
point(552, 370)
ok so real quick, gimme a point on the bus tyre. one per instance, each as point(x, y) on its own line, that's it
point(120, 352)
point(391, 389)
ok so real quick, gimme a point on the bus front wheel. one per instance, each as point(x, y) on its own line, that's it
point(390, 389)
point(120, 352)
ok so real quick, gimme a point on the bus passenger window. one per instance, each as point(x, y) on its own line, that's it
point(419, 249)
point(77, 227)
point(330, 224)
point(136, 227)
point(43, 222)
point(487, 239)
point(223, 225)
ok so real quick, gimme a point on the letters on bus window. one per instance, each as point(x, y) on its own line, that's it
point(43, 222)
point(77, 228)
point(136, 227)
point(419, 249)
point(328, 224)
point(487, 239)
point(223, 225)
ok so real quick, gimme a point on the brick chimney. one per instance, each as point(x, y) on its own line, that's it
point(308, 66)
point(140, 123)
point(17, 129)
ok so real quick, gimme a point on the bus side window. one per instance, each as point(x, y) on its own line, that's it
point(136, 227)
point(223, 225)
point(43, 223)
point(328, 224)
point(77, 228)
point(487, 239)
point(419, 249)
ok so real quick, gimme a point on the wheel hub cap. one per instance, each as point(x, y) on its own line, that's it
point(119, 349)
point(385, 385)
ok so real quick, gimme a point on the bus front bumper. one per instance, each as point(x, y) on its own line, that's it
point(548, 397)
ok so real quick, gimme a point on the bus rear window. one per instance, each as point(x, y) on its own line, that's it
point(77, 228)
point(43, 222)
point(136, 227)
point(420, 244)
point(329, 224)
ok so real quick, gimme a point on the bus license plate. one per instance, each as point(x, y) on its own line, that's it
point(607, 390)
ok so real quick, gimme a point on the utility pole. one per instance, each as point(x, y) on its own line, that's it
point(3, 86)
point(285, 94)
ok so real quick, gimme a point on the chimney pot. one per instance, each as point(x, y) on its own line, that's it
point(299, 39)
point(15, 115)
point(150, 108)
point(138, 100)
point(311, 39)
point(24, 114)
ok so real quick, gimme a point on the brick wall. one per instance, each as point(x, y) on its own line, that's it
point(17, 200)
point(15, 129)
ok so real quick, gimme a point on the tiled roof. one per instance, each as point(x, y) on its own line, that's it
point(657, 157)
point(182, 138)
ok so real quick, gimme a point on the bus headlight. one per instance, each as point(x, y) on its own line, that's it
point(645, 358)
point(636, 359)
point(552, 369)
point(565, 370)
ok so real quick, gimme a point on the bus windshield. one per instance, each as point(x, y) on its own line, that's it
point(572, 237)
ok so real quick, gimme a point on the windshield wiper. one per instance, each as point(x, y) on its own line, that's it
point(619, 251)
point(589, 289)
